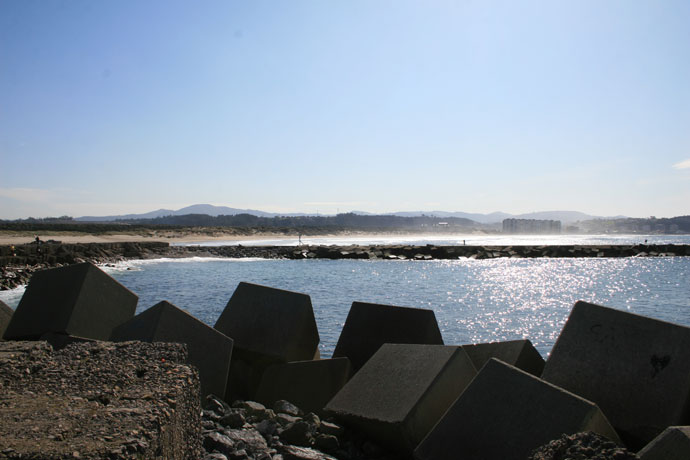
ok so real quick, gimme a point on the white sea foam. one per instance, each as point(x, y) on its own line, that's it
point(139, 264)
point(12, 296)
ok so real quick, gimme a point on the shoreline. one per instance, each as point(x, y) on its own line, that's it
point(18, 262)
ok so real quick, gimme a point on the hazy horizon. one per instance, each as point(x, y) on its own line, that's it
point(110, 108)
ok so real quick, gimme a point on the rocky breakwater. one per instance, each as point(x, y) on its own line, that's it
point(432, 252)
point(19, 262)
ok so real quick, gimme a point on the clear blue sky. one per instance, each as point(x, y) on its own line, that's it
point(110, 107)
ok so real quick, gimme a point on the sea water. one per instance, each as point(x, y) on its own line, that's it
point(474, 300)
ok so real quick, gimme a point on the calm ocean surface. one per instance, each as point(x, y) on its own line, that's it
point(474, 300)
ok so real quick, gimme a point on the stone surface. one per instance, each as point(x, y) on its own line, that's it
point(519, 353)
point(308, 384)
point(506, 413)
point(100, 400)
point(582, 446)
point(269, 326)
point(5, 316)
point(672, 444)
point(209, 350)
point(79, 300)
point(402, 391)
point(636, 369)
point(368, 326)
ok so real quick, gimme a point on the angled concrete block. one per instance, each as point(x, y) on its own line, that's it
point(79, 300)
point(518, 353)
point(636, 369)
point(402, 391)
point(209, 350)
point(5, 316)
point(368, 326)
point(307, 384)
point(672, 444)
point(269, 326)
point(506, 413)
point(270, 322)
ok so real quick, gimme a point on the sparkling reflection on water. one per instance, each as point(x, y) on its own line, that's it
point(474, 300)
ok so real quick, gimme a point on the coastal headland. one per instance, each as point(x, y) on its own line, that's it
point(19, 261)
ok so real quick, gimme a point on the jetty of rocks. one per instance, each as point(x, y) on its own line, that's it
point(19, 262)
point(74, 384)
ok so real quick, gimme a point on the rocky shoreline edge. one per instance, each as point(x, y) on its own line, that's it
point(19, 262)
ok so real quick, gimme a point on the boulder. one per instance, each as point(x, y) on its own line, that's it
point(402, 391)
point(636, 369)
point(308, 384)
point(5, 316)
point(672, 444)
point(268, 326)
point(79, 300)
point(209, 350)
point(519, 353)
point(368, 326)
point(506, 413)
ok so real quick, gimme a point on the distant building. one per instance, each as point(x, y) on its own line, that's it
point(531, 226)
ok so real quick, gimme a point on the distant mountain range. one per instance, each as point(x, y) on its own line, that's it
point(207, 209)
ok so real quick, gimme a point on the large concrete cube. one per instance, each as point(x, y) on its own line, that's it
point(5, 316)
point(402, 391)
point(269, 326)
point(636, 369)
point(672, 444)
point(368, 326)
point(79, 300)
point(209, 350)
point(307, 384)
point(506, 413)
point(271, 322)
point(519, 353)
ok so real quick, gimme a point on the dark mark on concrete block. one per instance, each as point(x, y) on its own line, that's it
point(506, 413)
point(402, 391)
point(79, 300)
point(209, 350)
point(636, 369)
point(368, 326)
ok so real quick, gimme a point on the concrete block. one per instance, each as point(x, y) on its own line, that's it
point(269, 326)
point(307, 384)
point(402, 391)
point(672, 444)
point(506, 413)
point(519, 353)
point(270, 322)
point(5, 316)
point(368, 326)
point(79, 300)
point(636, 369)
point(209, 350)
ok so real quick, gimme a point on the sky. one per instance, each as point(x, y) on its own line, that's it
point(115, 107)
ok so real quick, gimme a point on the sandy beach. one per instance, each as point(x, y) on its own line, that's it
point(169, 237)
